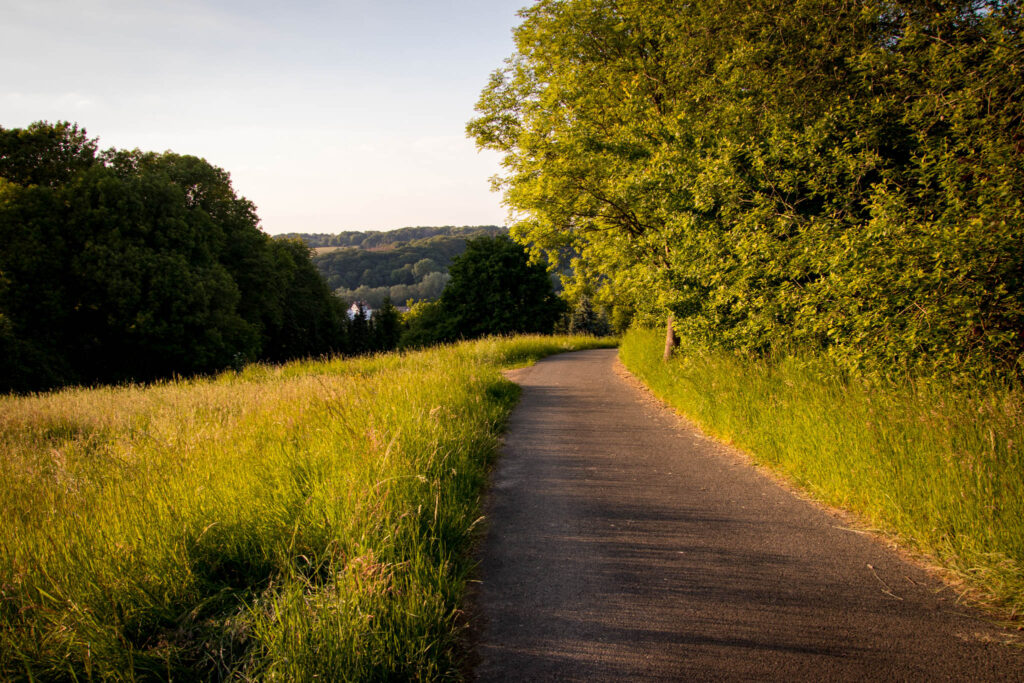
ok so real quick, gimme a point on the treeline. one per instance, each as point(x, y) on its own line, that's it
point(126, 265)
point(845, 177)
point(380, 239)
point(400, 266)
point(403, 264)
point(134, 266)
point(428, 288)
point(407, 264)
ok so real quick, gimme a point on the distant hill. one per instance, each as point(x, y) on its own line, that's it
point(380, 239)
point(407, 263)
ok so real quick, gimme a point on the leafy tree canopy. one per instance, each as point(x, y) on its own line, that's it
point(126, 265)
point(844, 176)
point(494, 289)
point(45, 154)
point(384, 239)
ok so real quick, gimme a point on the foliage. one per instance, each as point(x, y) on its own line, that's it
point(422, 324)
point(387, 326)
point(360, 334)
point(297, 522)
point(390, 239)
point(428, 288)
point(839, 176)
point(45, 154)
point(938, 466)
point(408, 263)
point(584, 318)
point(494, 289)
point(127, 265)
point(313, 320)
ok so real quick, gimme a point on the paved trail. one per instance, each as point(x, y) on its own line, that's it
point(624, 546)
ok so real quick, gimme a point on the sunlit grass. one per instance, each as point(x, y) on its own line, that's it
point(285, 523)
point(939, 467)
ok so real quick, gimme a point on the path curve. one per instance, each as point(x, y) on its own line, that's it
point(623, 545)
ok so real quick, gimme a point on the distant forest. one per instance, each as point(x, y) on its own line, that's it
point(383, 239)
point(407, 264)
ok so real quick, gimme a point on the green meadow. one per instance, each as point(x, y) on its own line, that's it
point(940, 467)
point(306, 521)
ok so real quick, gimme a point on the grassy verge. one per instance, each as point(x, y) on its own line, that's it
point(940, 468)
point(286, 523)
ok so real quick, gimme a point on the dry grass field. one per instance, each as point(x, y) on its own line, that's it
point(292, 522)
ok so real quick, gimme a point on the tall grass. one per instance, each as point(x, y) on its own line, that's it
point(941, 468)
point(285, 523)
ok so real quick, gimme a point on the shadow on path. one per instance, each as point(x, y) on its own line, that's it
point(623, 545)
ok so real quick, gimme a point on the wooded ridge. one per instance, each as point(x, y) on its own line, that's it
point(406, 264)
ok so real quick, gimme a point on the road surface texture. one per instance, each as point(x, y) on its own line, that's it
point(623, 545)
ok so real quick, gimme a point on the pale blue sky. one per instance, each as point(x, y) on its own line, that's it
point(329, 115)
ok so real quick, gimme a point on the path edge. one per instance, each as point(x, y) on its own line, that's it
point(967, 596)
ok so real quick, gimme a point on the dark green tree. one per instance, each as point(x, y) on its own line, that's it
point(494, 289)
point(312, 319)
point(357, 330)
point(33, 250)
point(840, 176)
point(128, 265)
point(44, 153)
point(387, 326)
point(148, 295)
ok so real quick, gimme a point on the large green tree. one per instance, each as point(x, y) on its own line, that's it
point(494, 289)
point(128, 265)
point(840, 175)
point(307, 319)
point(45, 154)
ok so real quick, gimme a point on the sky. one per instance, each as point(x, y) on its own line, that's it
point(329, 116)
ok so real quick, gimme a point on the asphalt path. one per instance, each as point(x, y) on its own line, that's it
point(624, 545)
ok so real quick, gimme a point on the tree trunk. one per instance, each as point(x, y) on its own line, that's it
point(671, 340)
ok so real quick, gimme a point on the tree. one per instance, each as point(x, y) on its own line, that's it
point(425, 266)
point(423, 325)
point(579, 113)
point(494, 289)
point(584, 319)
point(433, 285)
point(127, 265)
point(358, 337)
point(387, 326)
point(842, 176)
point(312, 318)
point(45, 154)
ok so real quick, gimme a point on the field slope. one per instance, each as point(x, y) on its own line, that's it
point(283, 523)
